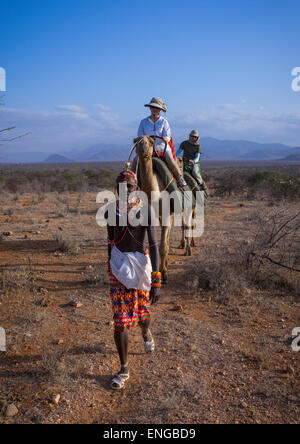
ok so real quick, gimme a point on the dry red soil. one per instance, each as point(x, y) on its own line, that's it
point(214, 362)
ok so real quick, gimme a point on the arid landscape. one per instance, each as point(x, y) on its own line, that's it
point(223, 324)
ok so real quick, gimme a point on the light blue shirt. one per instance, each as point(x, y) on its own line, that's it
point(160, 128)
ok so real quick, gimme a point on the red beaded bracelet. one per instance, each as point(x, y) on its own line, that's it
point(156, 279)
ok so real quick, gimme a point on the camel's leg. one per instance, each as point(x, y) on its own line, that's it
point(164, 249)
point(182, 243)
point(193, 243)
point(188, 251)
point(188, 228)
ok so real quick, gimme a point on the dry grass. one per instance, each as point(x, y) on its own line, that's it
point(66, 245)
point(17, 278)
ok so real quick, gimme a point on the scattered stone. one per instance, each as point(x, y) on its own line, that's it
point(11, 410)
point(56, 399)
point(75, 304)
point(177, 308)
point(25, 236)
point(60, 228)
point(58, 342)
point(7, 233)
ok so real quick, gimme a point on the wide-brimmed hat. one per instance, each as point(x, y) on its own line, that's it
point(156, 102)
point(194, 133)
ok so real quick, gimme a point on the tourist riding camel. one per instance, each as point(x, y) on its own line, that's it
point(156, 125)
point(191, 157)
point(133, 271)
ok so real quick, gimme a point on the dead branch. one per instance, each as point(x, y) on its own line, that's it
point(279, 264)
point(7, 129)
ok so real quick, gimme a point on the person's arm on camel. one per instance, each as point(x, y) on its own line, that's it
point(166, 132)
point(154, 253)
point(178, 152)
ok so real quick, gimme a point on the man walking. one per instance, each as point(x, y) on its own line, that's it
point(133, 272)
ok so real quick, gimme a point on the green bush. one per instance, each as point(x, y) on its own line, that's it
point(277, 183)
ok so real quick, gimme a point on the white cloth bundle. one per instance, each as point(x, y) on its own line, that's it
point(132, 269)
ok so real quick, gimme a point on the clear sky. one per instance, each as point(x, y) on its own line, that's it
point(79, 71)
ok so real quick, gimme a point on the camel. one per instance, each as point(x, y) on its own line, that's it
point(153, 186)
point(184, 239)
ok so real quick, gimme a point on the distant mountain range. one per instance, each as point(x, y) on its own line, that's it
point(212, 149)
point(57, 158)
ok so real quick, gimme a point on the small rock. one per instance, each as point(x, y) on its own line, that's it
point(7, 233)
point(244, 405)
point(60, 228)
point(11, 411)
point(25, 236)
point(177, 308)
point(56, 399)
point(75, 304)
point(58, 342)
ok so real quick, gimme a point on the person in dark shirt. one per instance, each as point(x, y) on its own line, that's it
point(191, 155)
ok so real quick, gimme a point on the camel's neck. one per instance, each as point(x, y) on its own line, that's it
point(148, 179)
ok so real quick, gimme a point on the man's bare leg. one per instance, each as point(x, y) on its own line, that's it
point(121, 341)
point(145, 330)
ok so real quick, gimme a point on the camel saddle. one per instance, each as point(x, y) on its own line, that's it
point(161, 169)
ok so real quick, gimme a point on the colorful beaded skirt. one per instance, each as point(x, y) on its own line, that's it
point(130, 306)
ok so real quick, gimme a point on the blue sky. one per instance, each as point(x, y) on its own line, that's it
point(79, 72)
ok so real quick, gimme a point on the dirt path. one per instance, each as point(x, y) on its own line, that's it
point(213, 363)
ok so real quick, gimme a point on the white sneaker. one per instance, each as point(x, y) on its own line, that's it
point(182, 182)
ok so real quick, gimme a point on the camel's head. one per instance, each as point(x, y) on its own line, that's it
point(144, 147)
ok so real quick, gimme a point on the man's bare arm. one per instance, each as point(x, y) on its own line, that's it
point(110, 237)
point(153, 242)
point(154, 252)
